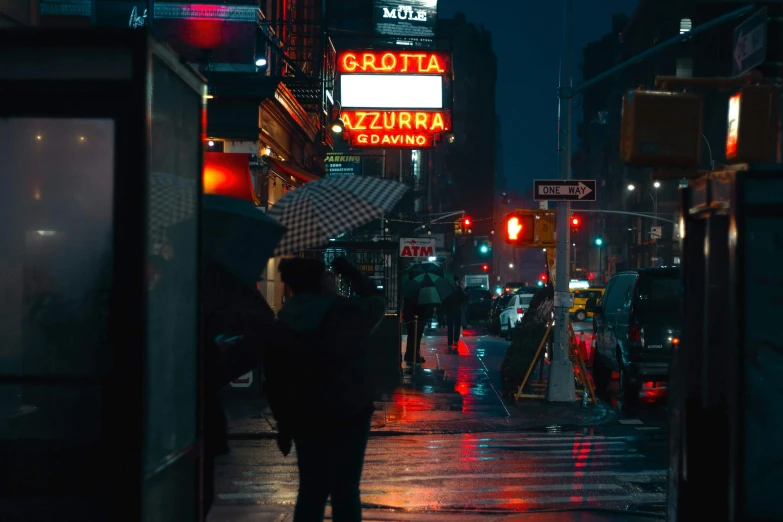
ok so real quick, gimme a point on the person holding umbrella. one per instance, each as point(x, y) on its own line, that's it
point(423, 286)
point(318, 383)
point(237, 242)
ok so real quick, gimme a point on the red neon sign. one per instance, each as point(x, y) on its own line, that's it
point(391, 139)
point(412, 62)
point(420, 121)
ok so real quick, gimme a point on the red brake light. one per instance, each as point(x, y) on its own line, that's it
point(520, 310)
point(634, 334)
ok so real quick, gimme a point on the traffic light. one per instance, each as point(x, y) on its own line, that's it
point(485, 268)
point(520, 228)
point(752, 127)
point(575, 222)
point(542, 278)
point(467, 223)
point(661, 129)
point(599, 241)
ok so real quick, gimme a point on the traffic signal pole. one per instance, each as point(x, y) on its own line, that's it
point(560, 387)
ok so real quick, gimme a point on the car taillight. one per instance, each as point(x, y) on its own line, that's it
point(520, 310)
point(634, 334)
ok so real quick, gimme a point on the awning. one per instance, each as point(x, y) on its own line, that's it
point(228, 174)
point(283, 167)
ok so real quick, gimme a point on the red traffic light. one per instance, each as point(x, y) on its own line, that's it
point(543, 277)
point(466, 222)
point(485, 268)
point(575, 221)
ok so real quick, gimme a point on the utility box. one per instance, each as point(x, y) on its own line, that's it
point(752, 126)
point(661, 129)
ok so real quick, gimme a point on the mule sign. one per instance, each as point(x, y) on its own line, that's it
point(417, 246)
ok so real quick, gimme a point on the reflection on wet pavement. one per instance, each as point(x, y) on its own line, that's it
point(513, 471)
point(429, 452)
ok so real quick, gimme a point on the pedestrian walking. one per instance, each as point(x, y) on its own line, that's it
point(236, 321)
point(416, 318)
point(453, 307)
point(318, 384)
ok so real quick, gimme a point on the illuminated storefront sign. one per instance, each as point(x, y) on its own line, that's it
point(383, 139)
point(394, 98)
point(420, 121)
point(379, 62)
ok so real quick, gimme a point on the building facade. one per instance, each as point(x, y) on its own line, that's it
point(268, 66)
point(635, 241)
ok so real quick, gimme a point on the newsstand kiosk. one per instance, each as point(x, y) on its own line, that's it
point(726, 459)
point(100, 163)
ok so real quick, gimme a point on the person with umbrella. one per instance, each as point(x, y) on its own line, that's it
point(237, 241)
point(423, 286)
point(318, 383)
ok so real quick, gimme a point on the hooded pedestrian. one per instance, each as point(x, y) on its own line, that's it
point(318, 384)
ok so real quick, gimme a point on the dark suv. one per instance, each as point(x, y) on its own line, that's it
point(637, 323)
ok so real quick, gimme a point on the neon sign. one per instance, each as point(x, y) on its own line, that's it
point(391, 139)
point(411, 62)
point(436, 121)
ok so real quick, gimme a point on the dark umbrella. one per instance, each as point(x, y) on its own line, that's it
point(427, 283)
point(239, 236)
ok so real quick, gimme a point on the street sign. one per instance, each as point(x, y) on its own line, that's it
point(417, 246)
point(564, 190)
point(750, 43)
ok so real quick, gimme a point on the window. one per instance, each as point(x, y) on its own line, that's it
point(56, 276)
point(685, 25)
point(525, 300)
point(616, 296)
point(661, 293)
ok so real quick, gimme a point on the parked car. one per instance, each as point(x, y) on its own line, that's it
point(637, 325)
point(580, 299)
point(479, 302)
point(514, 311)
point(498, 305)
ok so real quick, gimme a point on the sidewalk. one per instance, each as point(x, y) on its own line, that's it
point(449, 393)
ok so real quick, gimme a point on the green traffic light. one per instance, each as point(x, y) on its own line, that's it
point(484, 249)
point(599, 241)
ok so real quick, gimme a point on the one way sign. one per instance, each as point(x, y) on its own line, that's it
point(564, 190)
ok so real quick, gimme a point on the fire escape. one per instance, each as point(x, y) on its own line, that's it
point(304, 56)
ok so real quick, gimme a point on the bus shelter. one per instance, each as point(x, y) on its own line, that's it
point(101, 140)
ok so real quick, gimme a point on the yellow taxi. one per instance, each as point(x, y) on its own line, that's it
point(581, 295)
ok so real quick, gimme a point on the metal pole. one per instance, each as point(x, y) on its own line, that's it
point(561, 372)
point(663, 45)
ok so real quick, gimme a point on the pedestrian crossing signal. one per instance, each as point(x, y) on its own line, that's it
point(520, 228)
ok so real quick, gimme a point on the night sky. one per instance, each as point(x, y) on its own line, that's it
point(526, 36)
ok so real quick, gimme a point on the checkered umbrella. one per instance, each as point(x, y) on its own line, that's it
point(427, 283)
point(326, 208)
point(172, 199)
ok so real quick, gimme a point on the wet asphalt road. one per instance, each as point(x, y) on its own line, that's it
point(616, 466)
